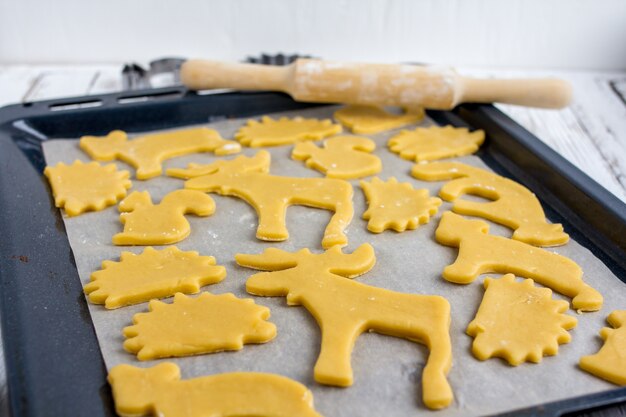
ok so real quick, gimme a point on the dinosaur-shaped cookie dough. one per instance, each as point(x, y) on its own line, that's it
point(158, 391)
point(513, 204)
point(82, 187)
point(190, 326)
point(270, 195)
point(344, 309)
point(519, 322)
point(610, 362)
point(365, 120)
point(430, 143)
point(284, 131)
point(397, 206)
point(148, 224)
point(152, 274)
point(146, 153)
point(480, 252)
point(343, 157)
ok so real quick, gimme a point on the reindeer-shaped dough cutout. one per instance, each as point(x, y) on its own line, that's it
point(191, 326)
point(284, 131)
point(366, 120)
point(344, 157)
point(159, 391)
point(435, 142)
point(151, 274)
point(344, 309)
point(513, 204)
point(146, 223)
point(480, 252)
point(610, 362)
point(270, 195)
point(147, 153)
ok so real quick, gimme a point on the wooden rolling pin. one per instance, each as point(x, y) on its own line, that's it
point(377, 84)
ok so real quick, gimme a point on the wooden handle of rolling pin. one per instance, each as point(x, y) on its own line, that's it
point(376, 84)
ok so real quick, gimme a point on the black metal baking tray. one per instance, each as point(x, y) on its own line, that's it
point(54, 365)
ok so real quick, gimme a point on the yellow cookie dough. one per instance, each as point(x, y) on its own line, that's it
point(366, 120)
point(158, 391)
point(480, 252)
point(189, 326)
point(284, 131)
point(344, 309)
point(513, 204)
point(610, 362)
point(343, 157)
point(519, 322)
point(152, 274)
point(270, 195)
point(82, 187)
point(397, 206)
point(430, 143)
point(148, 224)
point(146, 153)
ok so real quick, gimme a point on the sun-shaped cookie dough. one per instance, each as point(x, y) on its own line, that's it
point(397, 206)
point(205, 324)
point(430, 143)
point(519, 322)
point(152, 274)
point(610, 362)
point(366, 120)
point(159, 391)
point(81, 187)
point(271, 132)
point(344, 157)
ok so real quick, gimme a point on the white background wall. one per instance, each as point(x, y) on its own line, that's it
point(589, 34)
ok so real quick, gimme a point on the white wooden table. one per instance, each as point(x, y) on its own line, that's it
point(591, 133)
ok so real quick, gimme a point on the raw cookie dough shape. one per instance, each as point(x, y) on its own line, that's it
point(397, 206)
point(344, 309)
point(81, 187)
point(365, 120)
point(190, 326)
point(610, 362)
point(284, 131)
point(159, 391)
point(430, 143)
point(480, 252)
point(270, 195)
point(152, 274)
point(519, 322)
point(513, 204)
point(162, 224)
point(146, 153)
point(344, 157)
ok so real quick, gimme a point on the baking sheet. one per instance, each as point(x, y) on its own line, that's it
point(387, 370)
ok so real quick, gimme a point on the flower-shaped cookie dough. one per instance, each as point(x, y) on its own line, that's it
point(81, 187)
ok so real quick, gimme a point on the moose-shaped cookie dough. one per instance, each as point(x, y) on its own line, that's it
point(270, 195)
point(146, 223)
point(513, 204)
point(480, 252)
point(146, 153)
point(344, 309)
point(158, 391)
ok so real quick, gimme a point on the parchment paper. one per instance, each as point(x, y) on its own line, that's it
point(387, 370)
